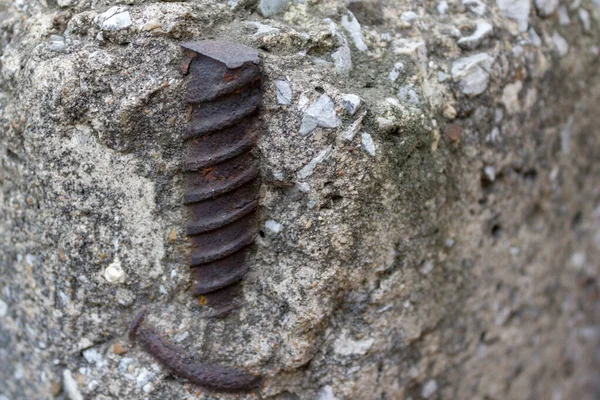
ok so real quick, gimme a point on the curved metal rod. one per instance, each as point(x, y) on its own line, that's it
point(210, 376)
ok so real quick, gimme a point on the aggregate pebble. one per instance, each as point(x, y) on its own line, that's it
point(472, 73)
point(471, 42)
point(367, 143)
point(351, 103)
point(517, 10)
point(351, 24)
point(271, 7)
point(283, 91)
point(546, 7)
point(560, 43)
point(321, 113)
point(309, 168)
point(114, 19)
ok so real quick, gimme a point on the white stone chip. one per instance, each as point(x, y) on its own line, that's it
point(303, 187)
point(463, 66)
point(490, 172)
point(92, 356)
point(56, 43)
point(429, 388)
point(416, 49)
point(346, 346)
point(483, 30)
point(517, 51)
point(114, 19)
point(584, 17)
point(3, 309)
point(353, 129)
point(535, 38)
point(309, 168)
point(182, 336)
point(562, 47)
point(578, 259)
point(408, 16)
point(271, 7)
point(30, 259)
point(367, 143)
point(150, 25)
point(476, 6)
point(427, 267)
point(283, 91)
point(395, 73)
point(262, 29)
point(563, 16)
point(144, 377)
point(472, 73)
point(517, 10)
point(320, 113)
point(64, 298)
point(326, 393)
point(494, 135)
point(352, 26)
point(114, 272)
point(70, 386)
point(117, 22)
point(407, 94)
point(442, 7)
point(148, 388)
point(510, 97)
point(546, 7)
point(342, 57)
point(351, 103)
point(124, 364)
point(273, 226)
point(565, 135)
point(303, 103)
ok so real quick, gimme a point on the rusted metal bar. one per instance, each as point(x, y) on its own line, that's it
point(209, 376)
point(221, 169)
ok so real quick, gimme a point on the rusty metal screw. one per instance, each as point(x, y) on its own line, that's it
point(222, 172)
point(221, 194)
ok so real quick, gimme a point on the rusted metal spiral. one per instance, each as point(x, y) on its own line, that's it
point(221, 170)
point(221, 194)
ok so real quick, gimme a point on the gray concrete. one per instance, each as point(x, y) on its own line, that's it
point(441, 245)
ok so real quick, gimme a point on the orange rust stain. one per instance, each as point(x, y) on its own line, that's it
point(453, 132)
point(228, 77)
point(519, 75)
point(119, 349)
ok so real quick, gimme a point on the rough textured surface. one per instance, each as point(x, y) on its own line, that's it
point(442, 244)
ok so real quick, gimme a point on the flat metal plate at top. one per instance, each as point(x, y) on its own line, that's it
point(233, 55)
